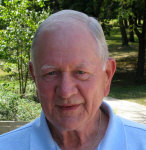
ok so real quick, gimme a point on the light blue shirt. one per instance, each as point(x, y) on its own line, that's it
point(121, 134)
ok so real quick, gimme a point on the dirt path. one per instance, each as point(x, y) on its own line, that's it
point(128, 110)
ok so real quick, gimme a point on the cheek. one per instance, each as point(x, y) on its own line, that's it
point(45, 93)
point(44, 88)
point(93, 93)
point(94, 88)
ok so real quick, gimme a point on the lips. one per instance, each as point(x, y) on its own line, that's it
point(68, 107)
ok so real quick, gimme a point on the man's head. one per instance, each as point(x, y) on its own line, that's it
point(68, 69)
point(74, 16)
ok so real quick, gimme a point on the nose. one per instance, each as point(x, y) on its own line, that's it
point(67, 87)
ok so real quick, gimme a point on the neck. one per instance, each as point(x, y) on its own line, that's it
point(87, 137)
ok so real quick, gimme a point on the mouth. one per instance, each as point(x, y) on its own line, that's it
point(68, 107)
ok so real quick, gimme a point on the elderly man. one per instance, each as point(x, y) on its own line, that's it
point(72, 72)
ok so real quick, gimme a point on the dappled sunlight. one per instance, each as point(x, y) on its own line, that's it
point(121, 55)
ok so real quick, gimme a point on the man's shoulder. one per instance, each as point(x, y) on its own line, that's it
point(135, 134)
point(134, 125)
point(16, 137)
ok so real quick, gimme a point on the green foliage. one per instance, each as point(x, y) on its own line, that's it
point(8, 106)
point(16, 40)
point(12, 107)
point(15, 108)
point(27, 110)
point(130, 8)
point(3, 23)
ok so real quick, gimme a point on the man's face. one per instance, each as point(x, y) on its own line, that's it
point(69, 76)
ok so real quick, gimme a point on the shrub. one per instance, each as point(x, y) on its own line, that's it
point(8, 106)
point(27, 110)
point(12, 107)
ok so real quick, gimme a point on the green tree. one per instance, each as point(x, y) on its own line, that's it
point(16, 40)
point(139, 13)
point(122, 16)
point(135, 10)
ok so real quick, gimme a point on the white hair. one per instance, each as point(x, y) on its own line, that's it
point(93, 25)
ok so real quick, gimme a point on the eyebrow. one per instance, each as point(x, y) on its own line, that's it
point(47, 67)
point(83, 65)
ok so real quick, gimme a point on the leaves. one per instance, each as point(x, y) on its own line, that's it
point(20, 24)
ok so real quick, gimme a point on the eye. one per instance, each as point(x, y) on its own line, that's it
point(80, 72)
point(82, 75)
point(52, 73)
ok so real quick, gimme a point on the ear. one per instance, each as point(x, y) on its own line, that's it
point(110, 70)
point(31, 70)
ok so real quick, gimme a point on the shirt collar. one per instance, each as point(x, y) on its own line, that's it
point(41, 137)
point(115, 137)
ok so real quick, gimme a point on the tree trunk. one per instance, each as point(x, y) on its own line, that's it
point(125, 23)
point(141, 52)
point(131, 33)
point(123, 33)
point(131, 36)
point(139, 21)
point(144, 24)
point(135, 19)
point(141, 60)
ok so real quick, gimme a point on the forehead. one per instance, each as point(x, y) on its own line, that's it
point(71, 40)
point(66, 32)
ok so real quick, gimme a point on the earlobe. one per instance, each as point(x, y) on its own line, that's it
point(31, 70)
point(110, 70)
